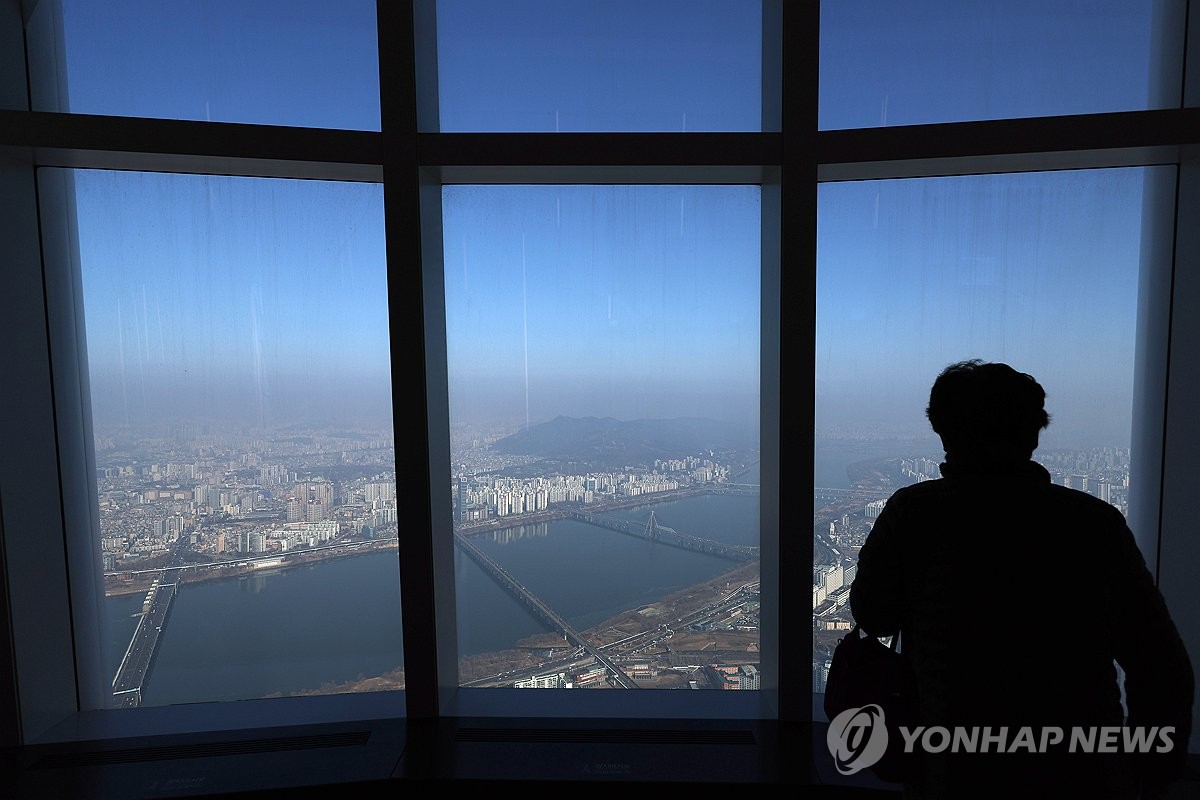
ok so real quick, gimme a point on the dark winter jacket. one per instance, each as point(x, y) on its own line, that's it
point(1015, 597)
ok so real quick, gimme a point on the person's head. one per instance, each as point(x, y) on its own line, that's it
point(987, 411)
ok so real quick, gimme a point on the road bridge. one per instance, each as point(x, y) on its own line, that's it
point(134, 670)
point(540, 609)
point(837, 495)
point(655, 532)
point(736, 488)
point(248, 560)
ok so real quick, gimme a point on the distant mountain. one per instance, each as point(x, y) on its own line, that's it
point(611, 443)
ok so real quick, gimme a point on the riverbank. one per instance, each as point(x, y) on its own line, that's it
point(645, 619)
point(564, 510)
point(540, 649)
point(114, 586)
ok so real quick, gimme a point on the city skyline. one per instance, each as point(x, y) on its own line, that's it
point(224, 504)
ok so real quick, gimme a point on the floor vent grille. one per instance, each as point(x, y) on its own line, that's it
point(99, 758)
point(611, 736)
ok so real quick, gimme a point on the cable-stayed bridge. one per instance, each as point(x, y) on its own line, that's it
point(832, 495)
point(656, 532)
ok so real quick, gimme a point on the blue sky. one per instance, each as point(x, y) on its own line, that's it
point(299, 62)
point(616, 65)
point(290, 276)
point(890, 62)
point(628, 301)
point(1038, 270)
point(245, 298)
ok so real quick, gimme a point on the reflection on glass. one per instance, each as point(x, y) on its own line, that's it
point(603, 355)
point(627, 65)
point(1036, 270)
point(300, 62)
point(237, 337)
point(886, 63)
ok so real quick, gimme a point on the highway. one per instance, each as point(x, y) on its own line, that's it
point(250, 559)
point(139, 655)
point(531, 601)
point(736, 488)
point(625, 649)
point(837, 495)
point(134, 671)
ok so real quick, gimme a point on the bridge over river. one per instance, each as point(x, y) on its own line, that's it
point(546, 614)
point(134, 670)
point(828, 494)
point(655, 532)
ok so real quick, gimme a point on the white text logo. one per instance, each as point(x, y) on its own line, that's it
point(1107, 739)
point(858, 738)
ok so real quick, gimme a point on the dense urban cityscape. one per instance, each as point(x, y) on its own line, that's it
point(191, 503)
point(229, 493)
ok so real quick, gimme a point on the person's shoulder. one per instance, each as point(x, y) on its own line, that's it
point(1106, 527)
point(922, 488)
point(919, 492)
point(1083, 502)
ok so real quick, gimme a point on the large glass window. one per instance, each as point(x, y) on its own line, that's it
point(237, 335)
point(1037, 270)
point(603, 342)
point(603, 355)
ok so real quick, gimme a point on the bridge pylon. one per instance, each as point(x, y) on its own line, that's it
point(651, 527)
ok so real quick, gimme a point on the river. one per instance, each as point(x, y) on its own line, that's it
point(285, 631)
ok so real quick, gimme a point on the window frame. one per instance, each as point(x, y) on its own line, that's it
point(47, 665)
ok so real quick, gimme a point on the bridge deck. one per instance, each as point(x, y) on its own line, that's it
point(535, 604)
point(670, 536)
point(134, 670)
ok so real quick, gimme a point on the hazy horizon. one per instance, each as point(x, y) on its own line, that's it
point(265, 301)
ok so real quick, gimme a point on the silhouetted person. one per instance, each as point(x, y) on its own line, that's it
point(1014, 597)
